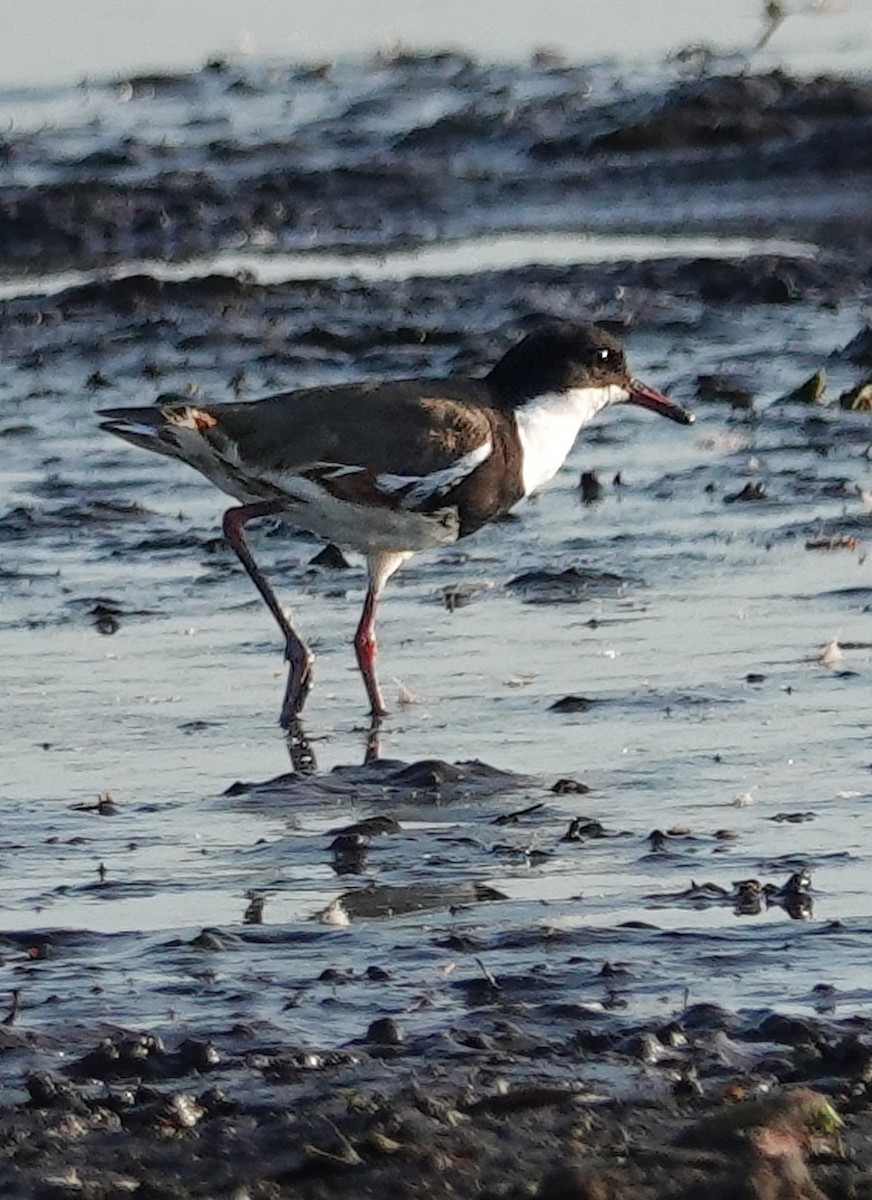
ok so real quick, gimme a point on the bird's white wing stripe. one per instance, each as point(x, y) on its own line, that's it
point(425, 487)
point(338, 472)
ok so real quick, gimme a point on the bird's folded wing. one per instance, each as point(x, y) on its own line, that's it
point(388, 447)
point(414, 493)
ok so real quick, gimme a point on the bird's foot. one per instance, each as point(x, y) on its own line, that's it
point(373, 739)
point(292, 706)
point(301, 660)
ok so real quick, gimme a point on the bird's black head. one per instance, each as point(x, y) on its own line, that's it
point(562, 356)
point(557, 356)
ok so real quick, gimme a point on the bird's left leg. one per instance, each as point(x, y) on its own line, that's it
point(297, 653)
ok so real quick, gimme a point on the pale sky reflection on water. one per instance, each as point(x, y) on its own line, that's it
point(53, 42)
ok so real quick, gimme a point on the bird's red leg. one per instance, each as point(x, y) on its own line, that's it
point(366, 649)
point(381, 565)
point(297, 653)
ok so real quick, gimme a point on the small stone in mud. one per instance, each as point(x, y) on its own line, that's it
point(180, 1111)
point(810, 391)
point(857, 399)
point(105, 616)
point(104, 806)
point(567, 787)
point(859, 349)
point(459, 595)
point(369, 827)
point(788, 1030)
point(590, 487)
point(385, 1031)
point(512, 818)
point(479, 992)
point(330, 558)
point(47, 1090)
point(483, 892)
point(834, 542)
point(751, 280)
point(657, 841)
point(750, 492)
point(335, 914)
point(195, 1054)
point(687, 1088)
point(350, 848)
point(377, 974)
point(572, 704)
point(568, 586)
point(242, 787)
point(724, 388)
point(253, 914)
point(577, 1183)
point(799, 881)
point(428, 773)
point(208, 939)
point(122, 1057)
point(334, 975)
point(611, 970)
point(14, 1008)
point(747, 901)
point(581, 828)
point(238, 383)
point(519, 1099)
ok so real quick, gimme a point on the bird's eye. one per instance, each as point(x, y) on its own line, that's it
point(603, 356)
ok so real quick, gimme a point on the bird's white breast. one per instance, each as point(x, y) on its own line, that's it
point(548, 426)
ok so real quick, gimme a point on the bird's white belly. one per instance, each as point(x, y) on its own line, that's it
point(366, 528)
point(369, 529)
point(307, 505)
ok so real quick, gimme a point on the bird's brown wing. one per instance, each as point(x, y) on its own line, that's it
point(396, 444)
point(404, 427)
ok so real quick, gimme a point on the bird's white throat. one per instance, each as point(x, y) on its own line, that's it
point(548, 426)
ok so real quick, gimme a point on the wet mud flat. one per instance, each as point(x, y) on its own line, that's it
point(412, 150)
point(499, 1053)
point(463, 1114)
point(594, 967)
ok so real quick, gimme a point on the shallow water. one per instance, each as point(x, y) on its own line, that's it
point(710, 710)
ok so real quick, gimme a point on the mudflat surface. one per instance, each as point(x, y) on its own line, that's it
point(608, 875)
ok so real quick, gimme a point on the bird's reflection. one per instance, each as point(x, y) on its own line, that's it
point(372, 753)
point(349, 853)
point(302, 756)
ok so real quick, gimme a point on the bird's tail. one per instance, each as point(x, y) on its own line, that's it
point(159, 429)
point(141, 426)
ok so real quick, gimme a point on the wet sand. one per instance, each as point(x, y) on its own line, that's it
point(609, 875)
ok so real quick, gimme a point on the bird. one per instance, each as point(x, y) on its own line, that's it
point(391, 468)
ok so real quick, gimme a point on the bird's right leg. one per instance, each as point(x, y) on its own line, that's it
point(297, 653)
point(380, 567)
